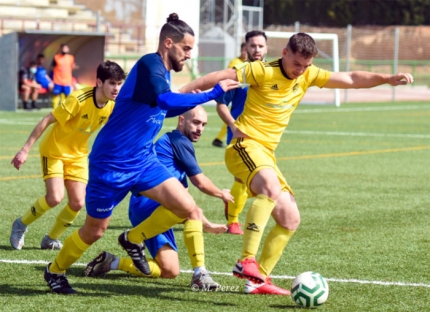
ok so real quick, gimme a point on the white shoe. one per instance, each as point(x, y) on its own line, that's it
point(49, 243)
point(18, 233)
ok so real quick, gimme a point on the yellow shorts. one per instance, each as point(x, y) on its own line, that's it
point(75, 170)
point(245, 157)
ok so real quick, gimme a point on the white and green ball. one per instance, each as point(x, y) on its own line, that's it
point(309, 289)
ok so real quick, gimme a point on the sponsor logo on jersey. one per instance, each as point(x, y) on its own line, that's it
point(157, 118)
point(102, 119)
point(85, 116)
point(274, 87)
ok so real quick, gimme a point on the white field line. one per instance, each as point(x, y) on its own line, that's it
point(363, 134)
point(336, 280)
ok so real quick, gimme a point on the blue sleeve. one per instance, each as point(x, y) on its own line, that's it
point(184, 154)
point(171, 101)
point(226, 98)
point(176, 112)
point(150, 80)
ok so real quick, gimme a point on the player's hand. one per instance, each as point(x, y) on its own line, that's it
point(226, 196)
point(228, 84)
point(19, 159)
point(214, 228)
point(401, 79)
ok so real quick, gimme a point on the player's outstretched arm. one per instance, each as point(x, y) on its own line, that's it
point(205, 185)
point(362, 79)
point(41, 126)
point(213, 228)
point(210, 80)
point(174, 101)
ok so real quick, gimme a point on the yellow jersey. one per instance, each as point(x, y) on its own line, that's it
point(272, 98)
point(77, 118)
point(235, 62)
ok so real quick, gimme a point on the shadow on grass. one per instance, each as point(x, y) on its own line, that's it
point(112, 286)
point(9, 247)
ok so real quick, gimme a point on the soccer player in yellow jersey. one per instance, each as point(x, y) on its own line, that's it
point(276, 88)
point(64, 153)
point(218, 141)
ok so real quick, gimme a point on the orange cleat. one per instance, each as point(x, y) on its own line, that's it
point(266, 288)
point(234, 228)
point(249, 269)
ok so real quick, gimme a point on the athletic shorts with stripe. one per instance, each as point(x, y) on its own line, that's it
point(73, 169)
point(245, 157)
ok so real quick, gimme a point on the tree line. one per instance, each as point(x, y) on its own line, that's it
point(340, 13)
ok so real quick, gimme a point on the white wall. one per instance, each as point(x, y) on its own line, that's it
point(157, 12)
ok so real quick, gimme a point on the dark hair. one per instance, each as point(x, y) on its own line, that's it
point(63, 45)
point(303, 44)
point(110, 70)
point(175, 29)
point(242, 45)
point(255, 33)
point(32, 63)
point(40, 55)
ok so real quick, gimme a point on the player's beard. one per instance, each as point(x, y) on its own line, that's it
point(176, 65)
point(252, 59)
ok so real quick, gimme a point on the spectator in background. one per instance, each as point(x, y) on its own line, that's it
point(27, 85)
point(41, 75)
point(218, 141)
point(63, 65)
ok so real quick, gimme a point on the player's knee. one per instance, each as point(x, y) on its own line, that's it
point(54, 199)
point(76, 205)
point(196, 214)
point(170, 273)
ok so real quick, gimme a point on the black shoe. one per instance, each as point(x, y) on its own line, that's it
point(135, 251)
point(58, 283)
point(34, 106)
point(217, 143)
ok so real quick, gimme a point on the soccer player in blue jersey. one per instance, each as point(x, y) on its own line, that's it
point(256, 49)
point(175, 151)
point(123, 158)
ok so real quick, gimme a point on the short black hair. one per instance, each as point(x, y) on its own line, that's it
point(255, 33)
point(110, 70)
point(303, 44)
point(175, 29)
point(242, 45)
point(40, 55)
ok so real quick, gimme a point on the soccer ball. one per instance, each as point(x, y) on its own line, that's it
point(309, 290)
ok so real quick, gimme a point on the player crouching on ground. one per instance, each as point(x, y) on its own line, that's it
point(176, 152)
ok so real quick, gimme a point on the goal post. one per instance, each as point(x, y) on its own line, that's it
point(334, 57)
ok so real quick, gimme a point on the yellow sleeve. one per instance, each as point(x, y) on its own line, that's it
point(319, 76)
point(252, 73)
point(67, 110)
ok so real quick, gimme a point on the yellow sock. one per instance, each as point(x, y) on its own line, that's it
point(36, 211)
point(158, 222)
point(64, 219)
point(240, 194)
point(193, 238)
point(72, 250)
point(222, 132)
point(56, 100)
point(274, 244)
point(256, 220)
point(126, 265)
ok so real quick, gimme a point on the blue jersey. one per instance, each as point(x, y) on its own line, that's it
point(237, 98)
point(40, 73)
point(136, 119)
point(176, 152)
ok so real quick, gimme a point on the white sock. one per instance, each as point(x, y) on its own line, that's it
point(199, 269)
point(114, 264)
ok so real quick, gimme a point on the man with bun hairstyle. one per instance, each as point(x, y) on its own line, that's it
point(123, 159)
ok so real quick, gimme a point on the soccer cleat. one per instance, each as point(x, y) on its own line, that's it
point(234, 228)
point(204, 281)
point(18, 233)
point(249, 269)
point(266, 288)
point(217, 143)
point(135, 251)
point(49, 243)
point(100, 265)
point(58, 283)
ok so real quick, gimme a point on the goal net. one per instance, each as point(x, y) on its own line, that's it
point(328, 58)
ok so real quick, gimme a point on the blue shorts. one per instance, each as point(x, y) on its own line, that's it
point(107, 187)
point(44, 82)
point(58, 89)
point(140, 209)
